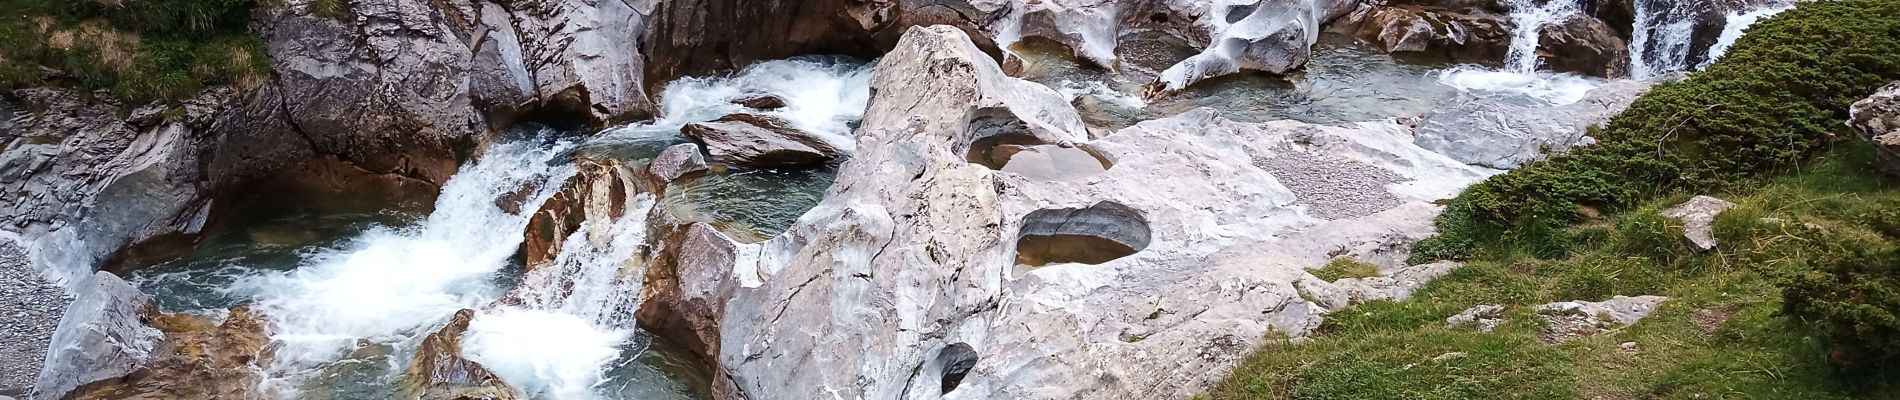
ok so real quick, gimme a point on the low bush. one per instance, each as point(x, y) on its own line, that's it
point(138, 51)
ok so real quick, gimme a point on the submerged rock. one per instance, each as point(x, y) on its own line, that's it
point(439, 372)
point(1877, 119)
point(1698, 219)
point(760, 141)
point(1499, 133)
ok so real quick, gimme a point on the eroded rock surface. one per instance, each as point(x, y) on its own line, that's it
point(1432, 31)
point(904, 282)
point(1877, 118)
point(199, 358)
point(1395, 285)
point(100, 338)
point(1503, 134)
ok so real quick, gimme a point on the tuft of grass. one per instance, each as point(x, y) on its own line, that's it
point(140, 51)
point(1345, 267)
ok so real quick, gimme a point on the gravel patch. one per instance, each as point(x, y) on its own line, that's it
point(1331, 187)
point(30, 308)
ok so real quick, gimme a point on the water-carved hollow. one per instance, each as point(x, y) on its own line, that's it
point(1100, 233)
point(955, 362)
point(1004, 143)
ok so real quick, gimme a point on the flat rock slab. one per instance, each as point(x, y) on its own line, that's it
point(761, 141)
point(1567, 320)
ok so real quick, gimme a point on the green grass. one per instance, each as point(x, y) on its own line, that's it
point(137, 50)
point(1722, 335)
point(1345, 267)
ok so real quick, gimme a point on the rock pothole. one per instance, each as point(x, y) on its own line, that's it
point(1097, 234)
point(1005, 144)
point(955, 363)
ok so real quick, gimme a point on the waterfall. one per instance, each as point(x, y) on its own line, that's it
point(1520, 76)
point(823, 95)
point(573, 316)
point(1732, 29)
point(1530, 20)
point(391, 285)
point(1660, 43)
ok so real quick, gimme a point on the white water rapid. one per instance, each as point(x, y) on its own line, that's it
point(823, 95)
point(1520, 75)
point(392, 286)
point(1732, 30)
point(1660, 43)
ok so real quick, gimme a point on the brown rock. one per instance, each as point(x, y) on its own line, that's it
point(1456, 36)
point(198, 359)
point(439, 372)
point(1585, 46)
point(762, 102)
point(760, 141)
point(692, 37)
point(687, 288)
point(598, 191)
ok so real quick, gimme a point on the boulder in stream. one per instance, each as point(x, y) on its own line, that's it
point(439, 371)
point(1877, 119)
point(760, 141)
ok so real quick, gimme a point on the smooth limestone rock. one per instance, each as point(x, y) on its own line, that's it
point(1567, 320)
point(1497, 133)
point(903, 282)
point(1877, 119)
point(439, 371)
point(1431, 31)
point(1698, 219)
point(101, 337)
point(760, 141)
point(1273, 36)
point(1395, 285)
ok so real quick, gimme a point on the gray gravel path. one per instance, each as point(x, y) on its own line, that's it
point(29, 311)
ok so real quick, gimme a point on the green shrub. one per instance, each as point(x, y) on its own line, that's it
point(1850, 289)
point(1772, 102)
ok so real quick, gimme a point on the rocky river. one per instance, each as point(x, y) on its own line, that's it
point(692, 199)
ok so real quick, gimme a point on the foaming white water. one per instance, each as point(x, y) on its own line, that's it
point(1520, 76)
point(1732, 30)
point(390, 284)
point(1074, 90)
point(572, 317)
point(1553, 88)
point(822, 95)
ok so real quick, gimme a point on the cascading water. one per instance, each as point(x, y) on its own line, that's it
point(389, 285)
point(1660, 43)
point(823, 96)
point(1520, 75)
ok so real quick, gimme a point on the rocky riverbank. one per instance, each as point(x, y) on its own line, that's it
point(30, 308)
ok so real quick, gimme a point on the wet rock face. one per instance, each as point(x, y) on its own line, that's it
point(439, 371)
point(101, 337)
point(695, 37)
point(1430, 31)
point(1584, 45)
point(598, 191)
point(761, 142)
point(1877, 119)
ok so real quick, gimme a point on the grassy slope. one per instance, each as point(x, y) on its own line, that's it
point(1768, 110)
point(138, 50)
point(1721, 335)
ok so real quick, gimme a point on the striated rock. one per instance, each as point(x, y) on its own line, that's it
point(199, 359)
point(1585, 46)
point(1877, 119)
point(439, 372)
point(1698, 219)
point(1484, 317)
point(1454, 36)
point(761, 142)
point(904, 283)
point(101, 337)
point(1499, 134)
point(1568, 320)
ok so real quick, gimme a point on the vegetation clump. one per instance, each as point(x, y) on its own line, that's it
point(138, 51)
point(1345, 267)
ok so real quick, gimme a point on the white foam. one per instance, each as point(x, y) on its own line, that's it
point(389, 285)
point(1074, 90)
point(822, 96)
point(1549, 87)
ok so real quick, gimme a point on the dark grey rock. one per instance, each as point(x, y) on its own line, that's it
point(761, 141)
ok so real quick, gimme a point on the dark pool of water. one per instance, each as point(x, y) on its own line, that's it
point(750, 205)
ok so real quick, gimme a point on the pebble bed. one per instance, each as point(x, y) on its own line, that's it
point(30, 308)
